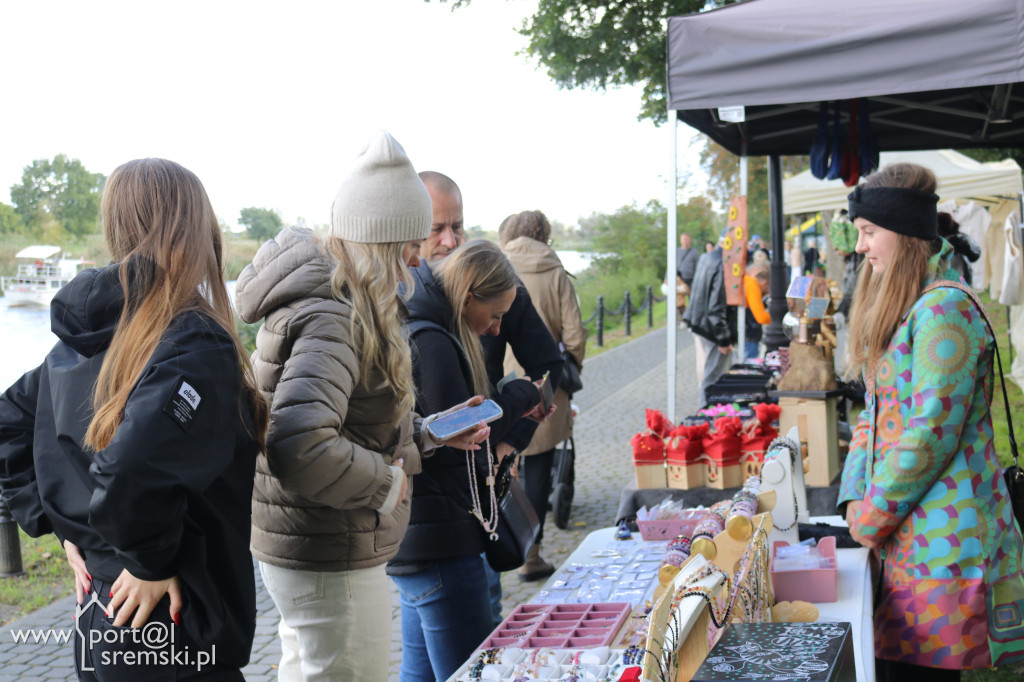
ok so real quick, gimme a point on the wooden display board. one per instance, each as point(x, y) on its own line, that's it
point(817, 421)
point(734, 252)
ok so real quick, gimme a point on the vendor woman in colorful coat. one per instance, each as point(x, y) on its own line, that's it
point(922, 486)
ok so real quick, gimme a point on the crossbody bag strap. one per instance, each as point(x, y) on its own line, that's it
point(999, 362)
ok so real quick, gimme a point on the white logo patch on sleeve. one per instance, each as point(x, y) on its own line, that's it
point(190, 394)
point(182, 404)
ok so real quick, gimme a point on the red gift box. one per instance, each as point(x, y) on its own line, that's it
point(723, 450)
point(649, 451)
point(686, 460)
point(757, 436)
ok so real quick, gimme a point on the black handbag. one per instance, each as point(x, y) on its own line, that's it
point(570, 381)
point(518, 524)
point(1013, 475)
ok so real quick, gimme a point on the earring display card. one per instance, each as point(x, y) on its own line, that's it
point(623, 572)
point(781, 651)
point(559, 626)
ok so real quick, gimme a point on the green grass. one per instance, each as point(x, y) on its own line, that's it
point(47, 577)
point(997, 313)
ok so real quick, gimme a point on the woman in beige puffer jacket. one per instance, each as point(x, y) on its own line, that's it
point(331, 499)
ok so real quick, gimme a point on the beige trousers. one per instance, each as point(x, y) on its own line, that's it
point(334, 625)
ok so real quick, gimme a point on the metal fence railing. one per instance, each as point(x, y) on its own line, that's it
point(626, 310)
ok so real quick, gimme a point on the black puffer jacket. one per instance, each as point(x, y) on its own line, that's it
point(441, 526)
point(708, 315)
point(171, 493)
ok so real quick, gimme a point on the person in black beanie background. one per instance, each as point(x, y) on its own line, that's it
point(965, 251)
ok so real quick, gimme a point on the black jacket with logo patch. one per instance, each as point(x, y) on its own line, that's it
point(171, 494)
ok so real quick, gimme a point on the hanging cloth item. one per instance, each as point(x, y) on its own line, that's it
point(851, 157)
point(835, 169)
point(819, 148)
point(866, 137)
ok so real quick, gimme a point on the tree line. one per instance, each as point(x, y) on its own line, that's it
point(59, 199)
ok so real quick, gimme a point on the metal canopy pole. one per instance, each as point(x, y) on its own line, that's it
point(774, 337)
point(740, 353)
point(671, 325)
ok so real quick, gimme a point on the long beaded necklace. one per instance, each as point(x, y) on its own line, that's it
point(783, 442)
point(490, 525)
point(751, 581)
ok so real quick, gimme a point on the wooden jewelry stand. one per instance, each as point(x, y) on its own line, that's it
point(683, 643)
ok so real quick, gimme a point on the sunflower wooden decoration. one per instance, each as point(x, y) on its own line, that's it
point(734, 251)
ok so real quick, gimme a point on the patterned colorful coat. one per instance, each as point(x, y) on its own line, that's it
point(923, 462)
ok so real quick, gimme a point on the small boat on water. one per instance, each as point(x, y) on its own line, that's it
point(40, 278)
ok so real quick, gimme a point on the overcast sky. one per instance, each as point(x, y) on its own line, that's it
point(268, 103)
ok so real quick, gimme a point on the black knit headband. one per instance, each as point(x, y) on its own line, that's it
point(899, 209)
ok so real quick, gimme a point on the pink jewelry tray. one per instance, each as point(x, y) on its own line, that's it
point(667, 529)
point(559, 626)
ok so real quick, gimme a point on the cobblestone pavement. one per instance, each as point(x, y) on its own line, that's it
point(618, 385)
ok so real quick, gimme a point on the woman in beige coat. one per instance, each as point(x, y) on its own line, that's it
point(524, 239)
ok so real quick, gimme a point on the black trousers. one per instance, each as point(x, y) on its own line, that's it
point(535, 475)
point(159, 651)
point(895, 671)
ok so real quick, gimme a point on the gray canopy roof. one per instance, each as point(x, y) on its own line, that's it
point(937, 73)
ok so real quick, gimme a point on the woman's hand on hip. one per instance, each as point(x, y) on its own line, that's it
point(83, 581)
point(130, 594)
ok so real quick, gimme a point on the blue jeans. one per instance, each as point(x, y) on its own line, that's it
point(494, 590)
point(752, 350)
point(446, 615)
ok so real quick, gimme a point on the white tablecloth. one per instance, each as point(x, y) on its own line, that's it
point(853, 604)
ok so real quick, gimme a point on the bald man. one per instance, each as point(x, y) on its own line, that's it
point(521, 328)
point(447, 230)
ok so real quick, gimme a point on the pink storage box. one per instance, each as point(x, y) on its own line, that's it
point(814, 584)
point(667, 529)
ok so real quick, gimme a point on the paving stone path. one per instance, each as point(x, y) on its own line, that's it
point(618, 385)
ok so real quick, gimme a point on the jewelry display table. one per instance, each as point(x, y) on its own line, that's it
point(624, 564)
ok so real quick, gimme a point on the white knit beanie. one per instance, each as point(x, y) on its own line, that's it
point(382, 199)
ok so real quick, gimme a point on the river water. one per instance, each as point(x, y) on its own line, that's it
point(25, 335)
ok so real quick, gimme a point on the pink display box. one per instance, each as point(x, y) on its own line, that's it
point(812, 584)
point(667, 529)
point(559, 626)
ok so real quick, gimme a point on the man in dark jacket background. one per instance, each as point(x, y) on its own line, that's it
point(686, 268)
point(711, 320)
point(522, 329)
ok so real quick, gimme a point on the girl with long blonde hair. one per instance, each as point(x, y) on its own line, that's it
point(922, 486)
point(135, 441)
point(331, 498)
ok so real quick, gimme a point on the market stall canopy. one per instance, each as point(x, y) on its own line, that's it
point(936, 73)
point(959, 176)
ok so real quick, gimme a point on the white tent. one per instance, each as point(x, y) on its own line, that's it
point(959, 176)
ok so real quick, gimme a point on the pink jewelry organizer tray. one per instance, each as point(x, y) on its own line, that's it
point(666, 529)
point(559, 626)
point(809, 584)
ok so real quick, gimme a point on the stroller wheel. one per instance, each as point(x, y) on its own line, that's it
point(562, 504)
